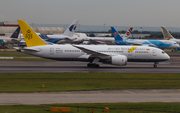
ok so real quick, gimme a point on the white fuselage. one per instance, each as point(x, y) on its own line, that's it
point(176, 40)
point(9, 40)
point(71, 53)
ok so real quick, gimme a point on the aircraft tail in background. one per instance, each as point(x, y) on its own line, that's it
point(166, 33)
point(116, 35)
point(71, 29)
point(128, 33)
point(16, 33)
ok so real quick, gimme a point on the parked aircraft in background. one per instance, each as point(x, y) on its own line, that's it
point(128, 33)
point(114, 55)
point(168, 36)
point(67, 36)
point(12, 39)
point(106, 40)
point(163, 44)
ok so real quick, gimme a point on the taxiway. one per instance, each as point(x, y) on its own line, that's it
point(102, 96)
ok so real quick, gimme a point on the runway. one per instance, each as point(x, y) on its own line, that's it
point(102, 96)
point(171, 66)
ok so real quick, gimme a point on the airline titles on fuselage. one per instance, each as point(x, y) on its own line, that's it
point(118, 50)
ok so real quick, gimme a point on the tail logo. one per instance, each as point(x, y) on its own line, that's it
point(131, 29)
point(15, 34)
point(128, 33)
point(131, 49)
point(115, 34)
point(28, 34)
point(73, 27)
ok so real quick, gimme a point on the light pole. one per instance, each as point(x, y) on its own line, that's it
point(104, 31)
point(79, 28)
point(104, 28)
point(141, 32)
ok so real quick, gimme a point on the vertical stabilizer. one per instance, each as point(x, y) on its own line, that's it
point(166, 33)
point(71, 29)
point(16, 33)
point(116, 35)
point(30, 37)
point(128, 33)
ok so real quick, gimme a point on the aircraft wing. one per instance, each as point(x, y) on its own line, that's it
point(16, 40)
point(65, 40)
point(68, 39)
point(139, 44)
point(94, 53)
point(132, 43)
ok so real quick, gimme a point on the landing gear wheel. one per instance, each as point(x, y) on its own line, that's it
point(92, 65)
point(155, 66)
point(89, 65)
point(96, 65)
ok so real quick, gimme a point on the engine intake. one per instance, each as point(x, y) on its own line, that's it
point(119, 60)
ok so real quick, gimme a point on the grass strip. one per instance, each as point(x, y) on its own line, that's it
point(114, 108)
point(14, 54)
point(32, 82)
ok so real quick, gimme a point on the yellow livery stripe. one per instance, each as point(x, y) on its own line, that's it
point(132, 49)
point(30, 37)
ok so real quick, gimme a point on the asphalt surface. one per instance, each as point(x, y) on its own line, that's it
point(171, 66)
point(101, 96)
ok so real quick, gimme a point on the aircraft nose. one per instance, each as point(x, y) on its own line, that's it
point(177, 45)
point(166, 56)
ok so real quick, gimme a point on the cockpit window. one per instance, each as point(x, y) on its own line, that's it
point(163, 52)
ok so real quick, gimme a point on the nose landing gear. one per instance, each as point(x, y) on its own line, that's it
point(155, 64)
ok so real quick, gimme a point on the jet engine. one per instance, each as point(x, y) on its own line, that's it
point(119, 60)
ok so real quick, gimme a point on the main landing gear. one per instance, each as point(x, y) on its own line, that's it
point(155, 64)
point(93, 65)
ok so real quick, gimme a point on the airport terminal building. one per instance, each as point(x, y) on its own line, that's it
point(10, 27)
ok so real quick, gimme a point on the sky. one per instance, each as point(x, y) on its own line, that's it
point(149, 13)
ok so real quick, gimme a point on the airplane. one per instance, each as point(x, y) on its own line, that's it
point(162, 44)
point(101, 40)
point(12, 39)
point(168, 36)
point(128, 33)
point(67, 36)
point(108, 54)
point(58, 39)
point(108, 40)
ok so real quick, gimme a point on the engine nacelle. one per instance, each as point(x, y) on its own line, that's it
point(119, 60)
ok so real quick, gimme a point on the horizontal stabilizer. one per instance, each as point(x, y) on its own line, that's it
point(31, 49)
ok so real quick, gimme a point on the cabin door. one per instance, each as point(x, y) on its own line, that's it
point(154, 52)
point(51, 51)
